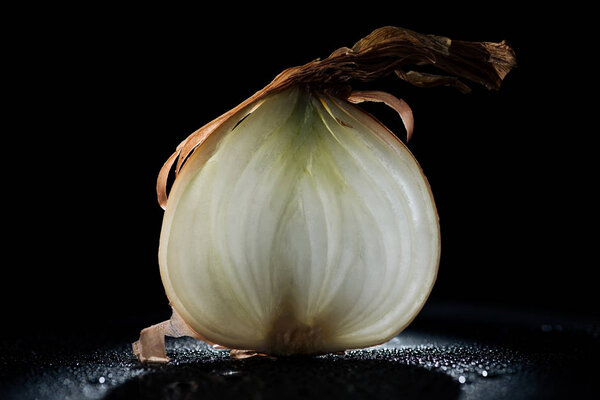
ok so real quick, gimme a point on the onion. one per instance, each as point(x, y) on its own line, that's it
point(299, 224)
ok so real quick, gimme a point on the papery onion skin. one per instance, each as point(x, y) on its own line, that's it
point(308, 228)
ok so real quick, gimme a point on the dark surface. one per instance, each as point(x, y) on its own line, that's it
point(449, 352)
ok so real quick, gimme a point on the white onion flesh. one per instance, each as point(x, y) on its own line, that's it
point(307, 228)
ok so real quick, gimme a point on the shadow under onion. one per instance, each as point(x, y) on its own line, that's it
point(290, 378)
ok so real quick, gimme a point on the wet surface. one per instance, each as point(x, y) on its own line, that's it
point(449, 352)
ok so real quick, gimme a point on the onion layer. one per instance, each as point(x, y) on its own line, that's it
point(305, 227)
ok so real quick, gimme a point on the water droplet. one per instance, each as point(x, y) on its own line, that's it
point(229, 373)
point(102, 379)
point(462, 379)
point(484, 373)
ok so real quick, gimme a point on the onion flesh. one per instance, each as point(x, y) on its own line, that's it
point(304, 227)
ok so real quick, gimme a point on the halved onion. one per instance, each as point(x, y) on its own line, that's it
point(306, 227)
point(299, 224)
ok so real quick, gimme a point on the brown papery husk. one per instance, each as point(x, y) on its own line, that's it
point(387, 50)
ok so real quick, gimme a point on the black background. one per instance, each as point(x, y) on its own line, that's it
point(101, 98)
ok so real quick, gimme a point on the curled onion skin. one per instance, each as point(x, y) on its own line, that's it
point(304, 227)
